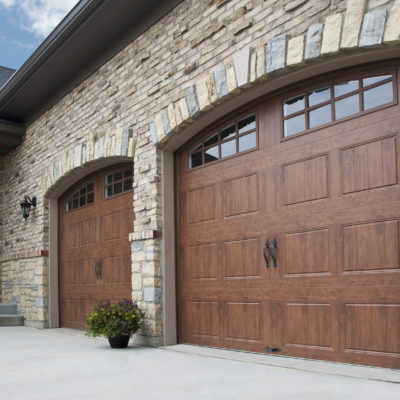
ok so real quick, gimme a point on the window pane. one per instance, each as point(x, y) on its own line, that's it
point(76, 194)
point(69, 205)
point(109, 179)
point(320, 116)
point(118, 176)
point(247, 142)
point(82, 201)
point(345, 87)
point(293, 105)
point(377, 96)
point(374, 79)
point(295, 125)
point(197, 147)
point(127, 185)
point(195, 160)
point(228, 132)
point(90, 198)
point(118, 188)
point(319, 96)
point(108, 192)
point(348, 106)
point(75, 203)
point(247, 124)
point(228, 148)
point(211, 154)
point(127, 172)
point(83, 190)
point(212, 139)
point(90, 187)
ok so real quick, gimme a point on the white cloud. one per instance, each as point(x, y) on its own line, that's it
point(40, 16)
point(28, 46)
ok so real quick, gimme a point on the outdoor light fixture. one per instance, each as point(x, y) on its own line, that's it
point(26, 205)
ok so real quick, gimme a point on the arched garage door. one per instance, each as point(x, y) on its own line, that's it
point(289, 225)
point(96, 217)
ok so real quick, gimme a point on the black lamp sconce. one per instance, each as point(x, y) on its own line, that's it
point(26, 205)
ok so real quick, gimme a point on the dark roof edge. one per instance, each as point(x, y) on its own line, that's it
point(68, 25)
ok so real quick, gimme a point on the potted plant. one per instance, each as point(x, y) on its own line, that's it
point(117, 321)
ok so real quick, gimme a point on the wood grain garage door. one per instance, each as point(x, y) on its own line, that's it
point(316, 174)
point(96, 217)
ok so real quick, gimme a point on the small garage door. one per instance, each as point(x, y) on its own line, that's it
point(289, 225)
point(96, 217)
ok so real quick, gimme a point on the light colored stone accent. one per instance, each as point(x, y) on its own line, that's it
point(231, 80)
point(331, 35)
point(221, 85)
point(260, 67)
point(276, 53)
point(192, 102)
point(373, 28)
point(203, 97)
point(241, 62)
point(352, 23)
point(295, 54)
point(392, 32)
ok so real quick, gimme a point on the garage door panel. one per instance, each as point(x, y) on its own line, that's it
point(307, 252)
point(372, 328)
point(371, 246)
point(116, 270)
point(309, 325)
point(306, 180)
point(70, 273)
point(242, 259)
point(241, 195)
point(87, 275)
point(201, 262)
point(69, 235)
point(201, 204)
point(203, 319)
point(243, 321)
point(369, 165)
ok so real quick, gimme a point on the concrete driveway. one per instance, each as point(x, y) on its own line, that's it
point(61, 364)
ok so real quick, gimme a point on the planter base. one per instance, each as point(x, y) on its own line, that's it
point(119, 342)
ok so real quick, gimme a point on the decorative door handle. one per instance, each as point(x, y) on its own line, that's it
point(265, 253)
point(96, 270)
point(99, 269)
point(274, 245)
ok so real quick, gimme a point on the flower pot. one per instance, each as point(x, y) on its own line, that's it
point(119, 341)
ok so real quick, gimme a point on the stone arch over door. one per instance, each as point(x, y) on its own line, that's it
point(102, 150)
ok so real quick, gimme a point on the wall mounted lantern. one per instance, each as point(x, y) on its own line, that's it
point(26, 205)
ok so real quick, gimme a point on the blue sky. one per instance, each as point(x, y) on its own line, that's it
point(24, 24)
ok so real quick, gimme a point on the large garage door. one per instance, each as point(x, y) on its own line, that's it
point(289, 225)
point(96, 218)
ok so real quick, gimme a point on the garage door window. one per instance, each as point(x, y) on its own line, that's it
point(117, 182)
point(336, 101)
point(82, 197)
point(234, 138)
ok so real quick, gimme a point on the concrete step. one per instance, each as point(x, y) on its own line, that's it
point(11, 320)
point(8, 309)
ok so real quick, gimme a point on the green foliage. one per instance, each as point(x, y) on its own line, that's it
point(111, 319)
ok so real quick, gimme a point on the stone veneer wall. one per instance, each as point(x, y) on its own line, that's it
point(198, 55)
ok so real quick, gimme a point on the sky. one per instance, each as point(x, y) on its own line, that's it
point(24, 24)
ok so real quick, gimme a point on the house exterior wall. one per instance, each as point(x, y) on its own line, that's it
point(193, 60)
